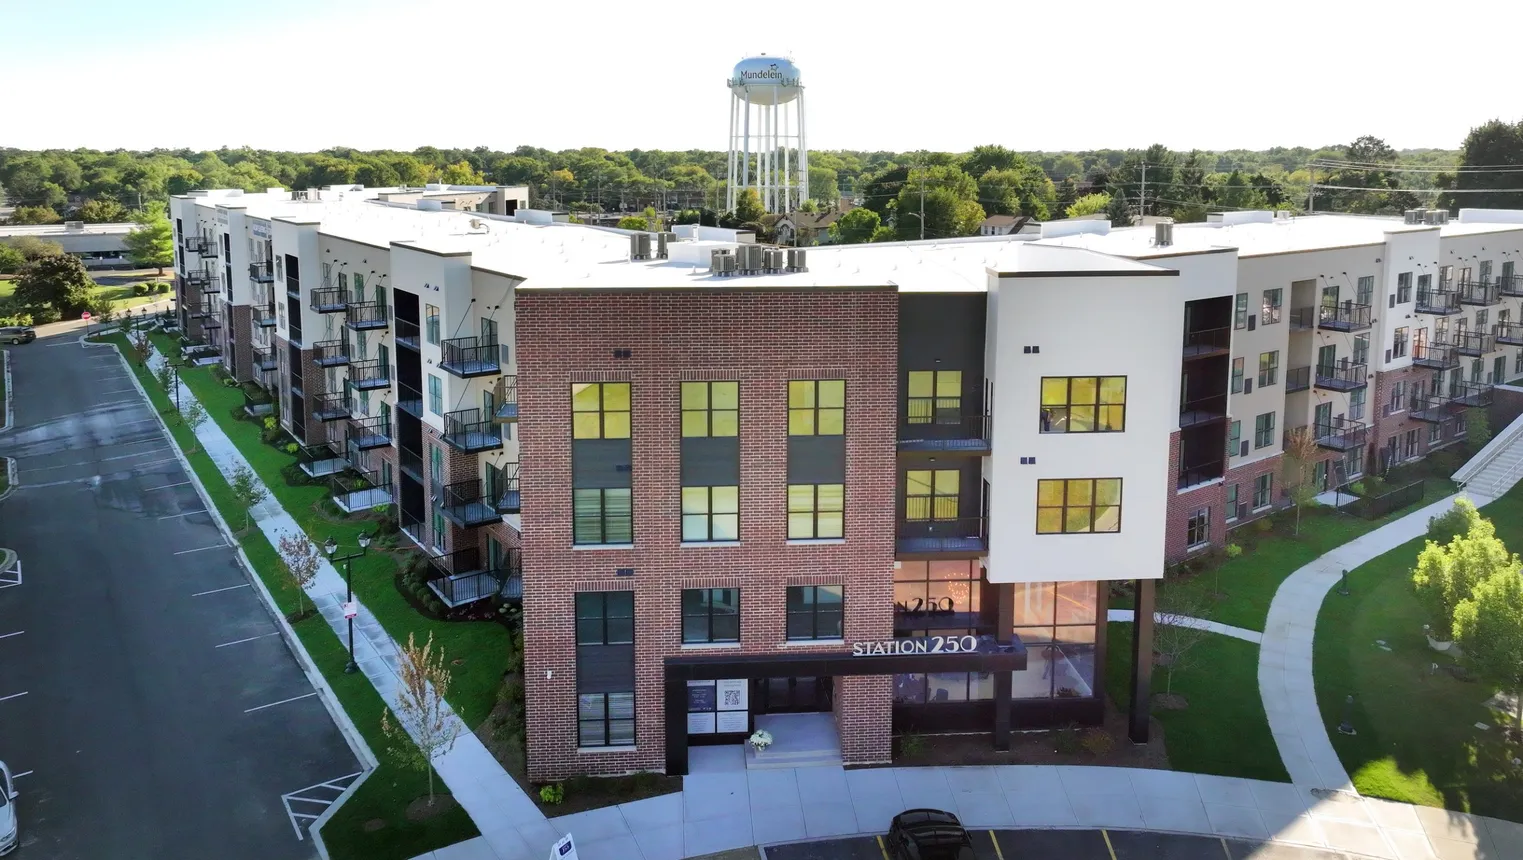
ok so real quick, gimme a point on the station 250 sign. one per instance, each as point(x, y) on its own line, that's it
point(921, 645)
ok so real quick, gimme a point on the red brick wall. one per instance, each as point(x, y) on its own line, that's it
point(1244, 477)
point(1397, 423)
point(239, 358)
point(1182, 504)
point(764, 338)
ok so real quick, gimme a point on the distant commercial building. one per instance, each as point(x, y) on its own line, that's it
point(100, 246)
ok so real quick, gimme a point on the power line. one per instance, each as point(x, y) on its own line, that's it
point(1330, 165)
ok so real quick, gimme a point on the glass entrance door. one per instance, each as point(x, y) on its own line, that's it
point(791, 695)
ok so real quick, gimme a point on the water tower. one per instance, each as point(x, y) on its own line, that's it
point(767, 148)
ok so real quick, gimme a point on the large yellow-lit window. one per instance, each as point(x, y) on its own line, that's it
point(933, 393)
point(1083, 404)
point(816, 511)
point(600, 410)
point(710, 513)
point(1078, 506)
point(817, 407)
point(931, 495)
point(711, 409)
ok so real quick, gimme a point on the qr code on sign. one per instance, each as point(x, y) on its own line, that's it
point(731, 698)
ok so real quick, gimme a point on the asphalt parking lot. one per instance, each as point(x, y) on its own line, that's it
point(1067, 845)
point(147, 702)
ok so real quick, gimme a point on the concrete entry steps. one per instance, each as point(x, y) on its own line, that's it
point(798, 740)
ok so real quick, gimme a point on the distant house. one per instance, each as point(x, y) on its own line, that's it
point(804, 228)
point(1007, 225)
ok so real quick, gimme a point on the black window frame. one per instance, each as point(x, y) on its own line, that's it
point(708, 515)
point(600, 620)
point(603, 517)
point(1270, 374)
point(814, 408)
point(1270, 312)
point(1264, 483)
point(1047, 414)
point(1093, 505)
point(603, 412)
point(814, 512)
point(1198, 528)
point(607, 720)
point(814, 613)
point(1263, 436)
point(707, 614)
point(925, 410)
point(707, 410)
point(1403, 288)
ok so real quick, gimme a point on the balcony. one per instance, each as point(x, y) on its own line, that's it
point(199, 245)
point(469, 357)
point(361, 489)
point(465, 577)
point(265, 360)
point(331, 407)
point(213, 285)
point(964, 537)
point(1190, 476)
point(262, 271)
point(1203, 410)
point(1510, 285)
point(264, 315)
point(1341, 434)
point(1474, 343)
point(1345, 316)
point(1303, 319)
point(365, 316)
point(370, 374)
point(1438, 355)
point(198, 277)
point(367, 433)
point(1342, 375)
point(406, 333)
point(1439, 302)
point(410, 462)
point(505, 395)
point(1298, 379)
point(465, 504)
point(1472, 393)
point(1480, 293)
point(1508, 333)
point(409, 399)
point(503, 488)
point(319, 460)
point(293, 287)
point(945, 432)
point(1432, 408)
point(331, 353)
point(211, 315)
point(466, 431)
point(202, 309)
point(1208, 342)
point(329, 300)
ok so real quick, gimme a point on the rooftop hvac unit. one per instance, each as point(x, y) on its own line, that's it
point(1443, 216)
point(723, 264)
point(639, 246)
point(716, 259)
point(1413, 216)
point(775, 260)
point(1163, 234)
point(74, 226)
point(796, 260)
point(662, 240)
point(750, 261)
point(1431, 217)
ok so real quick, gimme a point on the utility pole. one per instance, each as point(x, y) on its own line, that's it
point(922, 203)
point(1142, 196)
point(1311, 189)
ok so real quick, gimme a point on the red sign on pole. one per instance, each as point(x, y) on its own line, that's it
point(85, 316)
point(351, 609)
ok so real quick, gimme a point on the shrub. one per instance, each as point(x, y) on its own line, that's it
point(552, 794)
point(229, 382)
point(434, 606)
point(1066, 740)
point(911, 746)
point(140, 289)
point(292, 448)
point(1453, 522)
point(1097, 743)
point(1263, 525)
point(1233, 550)
point(161, 288)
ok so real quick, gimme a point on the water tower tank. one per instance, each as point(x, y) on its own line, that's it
point(766, 80)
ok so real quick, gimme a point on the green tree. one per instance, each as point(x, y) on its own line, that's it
point(247, 491)
point(58, 281)
point(1456, 521)
point(1022, 189)
point(823, 185)
point(1089, 204)
point(1477, 429)
point(1491, 144)
point(11, 260)
point(946, 195)
point(1489, 628)
point(1447, 575)
point(884, 233)
point(990, 157)
point(35, 215)
point(1299, 467)
point(1372, 174)
point(633, 222)
point(152, 242)
point(423, 727)
point(101, 210)
point(748, 207)
point(461, 173)
point(1119, 211)
point(855, 227)
point(33, 248)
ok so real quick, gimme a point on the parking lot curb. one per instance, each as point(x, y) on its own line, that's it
point(10, 477)
point(341, 718)
point(10, 416)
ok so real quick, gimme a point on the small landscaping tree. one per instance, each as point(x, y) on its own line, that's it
point(1300, 466)
point(424, 728)
point(1178, 634)
point(193, 415)
point(1453, 522)
point(299, 558)
point(1489, 627)
point(141, 348)
point(248, 491)
point(1477, 429)
point(1447, 576)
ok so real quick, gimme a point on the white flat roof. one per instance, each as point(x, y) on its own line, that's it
point(45, 231)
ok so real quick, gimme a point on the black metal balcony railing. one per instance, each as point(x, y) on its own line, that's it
point(1342, 375)
point(505, 395)
point(1199, 473)
point(200, 310)
point(293, 287)
point(409, 400)
point(466, 430)
point(406, 332)
point(213, 284)
point(331, 353)
point(1508, 333)
point(265, 360)
point(1479, 293)
point(504, 489)
point(195, 244)
point(329, 300)
point(1432, 408)
point(370, 374)
point(963, 536)
point(466, 504)
point(1437, 354)
point(1303, 319)
point(1341, 434)
point(1201, 410)
point(1472, 393)
point(264, 315)
point(1345, 316)
point(364, 316)
point(1206, 342)
point(1474, 343)
point(1510, 285)
point(331, 407)
point(372, 432)
point(946, 431)
point(1298, 379)
point(1438, 301)
point(411, 462)
point(262, 271)
point(469, 357)
point(211, 313)
point(464, 577)
point(198, 277)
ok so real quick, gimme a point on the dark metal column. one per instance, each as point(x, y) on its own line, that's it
point(1003, 631)
point(1140, 709)
point(675, 691)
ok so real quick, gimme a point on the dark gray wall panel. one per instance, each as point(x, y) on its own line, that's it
point(816, 459)
point(711, 462)
point(605, 668)
point(599, 464)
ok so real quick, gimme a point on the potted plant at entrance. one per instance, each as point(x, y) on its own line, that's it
point(760, 740)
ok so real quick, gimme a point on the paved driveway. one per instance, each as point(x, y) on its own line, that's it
point(145, 694)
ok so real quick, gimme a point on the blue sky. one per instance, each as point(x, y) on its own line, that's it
point(307, 74)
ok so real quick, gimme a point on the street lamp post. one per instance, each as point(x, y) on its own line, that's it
point(176, 365)
point(330, 547)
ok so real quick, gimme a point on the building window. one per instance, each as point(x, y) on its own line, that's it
point(1231, 503)
point(1083, 404)
point(1517, 362)
point(710, 513)
point(1356, 401)
point(934, 393)
point(605, 624)
point(431, 324)
point(817, 407)
point(439, 530)
point(710, 615)
point(1269, 314)
point(602, 516)
point(1409, 445)
point(1240, 311)
point(1056, 621)
point(1364, 292)
point(1263, 487)
point(1198, 528)
point(935, 594)
point(1234, 438)
point(710, 409)
point(435, 395)
point(815, 611)
point(1435, 433)
point(1398, 397)
point(816, 511)
point(1269, 368)
point(1480, 320)
point(1424, 284)
point(1361, 353)
point(1263, 430)
point(1237, 376)
point(1398, 342)
point(1403, 288)
point(1078, 506)
point(931, 495)
point(600, 410)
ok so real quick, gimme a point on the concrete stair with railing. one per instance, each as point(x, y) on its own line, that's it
point(1496, 468)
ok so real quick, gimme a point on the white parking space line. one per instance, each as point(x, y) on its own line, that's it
point(19, 695)
point(23, 773)
point(220, 590)
point(281, 702)
point(116, 391)
point(118, 402)
point(318, 797)
point(30, 469)
point(204, 549)
point(186, 514)
point(250, 639)
point(9, 635)
point(167, 486)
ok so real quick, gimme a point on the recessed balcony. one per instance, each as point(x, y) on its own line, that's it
point(262, 271)
point(1480, 293)
point(1510, 285)
point(198, 277)
point(409, 399)
point(265, 360)
point(469, 357)
point(1207, 342)
point(366, 316)
point(1303, 319)
point(1344, 316)
point(468, 431)
point(367, 433)
point(944, 431)
point(1200, 473)
point(1436, 354)
point(1432, 408)
point(1342, 375)
point(465, 576)
point(1438, 301)
point(963, 537)
point(503, 488)
point(1341, 434)
point(406, 333)
point(466, 504)
point(370, 374)
point(331, 407)
point(199, 245)
point(1298, 379)
point(329, 300)
point(1474, 343)
point(331, 353)
point(1472, 394)
point(1508, 333)
point(1203, 410)
point(264, 315)
point(505, 395)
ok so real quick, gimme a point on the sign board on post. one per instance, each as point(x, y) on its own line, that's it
point(85, 316)
point(564, 849)
point(351, 609)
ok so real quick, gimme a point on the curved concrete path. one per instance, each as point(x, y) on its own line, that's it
point(1128, 616)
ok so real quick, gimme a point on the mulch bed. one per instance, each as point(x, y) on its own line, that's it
point(1037, 748)
point(422, 810)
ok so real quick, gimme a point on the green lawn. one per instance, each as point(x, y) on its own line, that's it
point(1250, 580)
point(120, 296)
point(385, 794)
point(1417, 741)
point(1224, 730)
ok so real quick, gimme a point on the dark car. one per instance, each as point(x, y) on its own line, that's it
point(17, 334)
point(928, 834)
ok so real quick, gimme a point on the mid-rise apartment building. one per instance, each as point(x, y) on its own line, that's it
point(892, 485)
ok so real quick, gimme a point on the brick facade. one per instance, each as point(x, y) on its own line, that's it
point(763, 339)
point(1399, 422)
point(238, 358)
point(1183, 503)
point(1213, 497)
